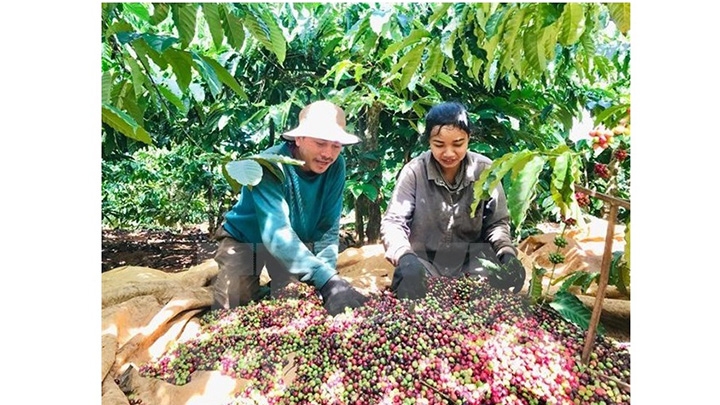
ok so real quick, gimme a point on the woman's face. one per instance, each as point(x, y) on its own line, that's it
point(448, 145)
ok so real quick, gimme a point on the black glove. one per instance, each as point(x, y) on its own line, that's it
point(510, 274)
point(338, 294)
point(410, 278)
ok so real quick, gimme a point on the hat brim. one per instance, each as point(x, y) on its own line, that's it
point(335, 134)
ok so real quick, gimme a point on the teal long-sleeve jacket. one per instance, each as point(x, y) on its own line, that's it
point(285, 214)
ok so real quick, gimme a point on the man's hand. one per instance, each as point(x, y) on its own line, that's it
point(410, 278)
point(338, 294)
point(510, 274)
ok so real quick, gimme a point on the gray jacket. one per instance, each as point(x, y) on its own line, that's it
point(432, 220)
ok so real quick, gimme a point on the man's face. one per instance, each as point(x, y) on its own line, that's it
point(318, 154)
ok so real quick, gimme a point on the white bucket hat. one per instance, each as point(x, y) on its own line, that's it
point(322, 120)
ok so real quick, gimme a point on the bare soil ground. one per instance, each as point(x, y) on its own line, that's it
point(161, 250)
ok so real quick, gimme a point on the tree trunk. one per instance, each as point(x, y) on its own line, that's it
point(371, 144)
point(359, 221)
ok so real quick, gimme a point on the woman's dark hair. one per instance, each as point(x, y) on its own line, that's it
point(450, 113)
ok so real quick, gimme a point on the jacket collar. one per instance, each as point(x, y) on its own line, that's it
point(464, 175)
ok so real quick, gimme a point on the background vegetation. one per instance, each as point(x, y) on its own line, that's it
point(188, 87)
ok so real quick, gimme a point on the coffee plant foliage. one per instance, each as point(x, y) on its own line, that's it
point(161, 189)
point(228, 78)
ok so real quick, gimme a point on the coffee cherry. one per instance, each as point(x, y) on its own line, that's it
point(601, 170)
point(582, 199)
point(621, 154)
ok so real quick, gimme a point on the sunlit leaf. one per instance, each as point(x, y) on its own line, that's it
point(181, 62)
point(208, 73)
point(138, 9)
point(211, 12)
point(225, 77)
point(521, 191)
point(159, 42)
point(246, 172)
point(620, 14)
point(185, 15)
point(106, 86)
point(160, 13)
point(124, 124)
point(411, 65)
point(263, 27)
point(233, 27)
point(172, 98)
point(572, 24)
point(572, 309)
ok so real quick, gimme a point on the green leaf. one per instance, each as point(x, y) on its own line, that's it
point(330, 46)
point(572, 24)
point(572, 309)
point(172, 98)
point(184, 16)
point(412, 38)
point(143, 50)
point(493, 175)
point(233, 183)
point(561, 167)
point(263, 27)
point(272, 162)
point(106, 86)
point(370, 191)
point(208, 74)
point(404, 60)
point(138, 77)
point(522, 187)
point(535, 289)
point(246, 172)
point(160, 13)
point(159, 43)
point(211, 11)
point(445, 80)
point(234, 30)
point(513, 43)
point(138, 9)
point(128, 102)
point(125, 37)
point(124, 124)
point(562, 185)
point(534, 48)
point(413, 61)
point(434, 62)
point(608, 112)
point(625, 272)
point(287, 160)
point(181, 62)
point(620, 14)
point(225, 77)
point(575, 278)
point(438, 13)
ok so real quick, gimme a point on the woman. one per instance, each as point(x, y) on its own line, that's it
point(428, 229)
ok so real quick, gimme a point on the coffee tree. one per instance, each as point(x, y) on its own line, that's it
point(227, 78)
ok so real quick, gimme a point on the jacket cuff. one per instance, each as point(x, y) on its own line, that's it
point(506, 250)
point(394, 257)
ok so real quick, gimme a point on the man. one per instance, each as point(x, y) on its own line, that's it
point(291, 225)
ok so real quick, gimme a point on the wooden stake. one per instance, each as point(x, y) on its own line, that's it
point(602, 284)
point(604, 267)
